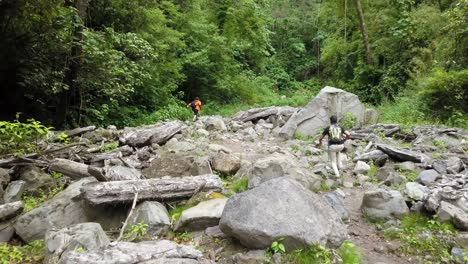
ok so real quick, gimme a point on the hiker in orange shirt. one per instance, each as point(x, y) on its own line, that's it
point(196, 105)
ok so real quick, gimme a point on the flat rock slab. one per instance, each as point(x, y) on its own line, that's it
point(403, 154)
point(145, 136)
point(263, 113)
point(281, 208)
point(129, 253)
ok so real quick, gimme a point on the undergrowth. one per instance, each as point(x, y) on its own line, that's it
point(32, 201)
point(30, 253)
point(318, 254)
point(422, 235)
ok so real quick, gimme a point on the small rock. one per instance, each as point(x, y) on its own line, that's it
point(427, 177)
point(6, 231)
point(215, 231)
point(361, 168)
point(14, 191)
point(153, 214)
point(407, 166)
point(35, 179)
point(440, 166)
point(415, 191)
point(201, 216)
point(459, 254)
point(454, 165)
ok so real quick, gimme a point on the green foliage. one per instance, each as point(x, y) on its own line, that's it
point(410, 175)
point(349, 253)
point(20, 138)
point(416, 241)
point(240, 185)
point(56, 175)
point(62, 138)
point(110, 146)
point(133, 62)
point(237, 186)
point(277, 247)
point(315, 254)
point(372, 173)
point(349, 121)
point(446, 93)
point(32, 201)
point(29, 253)
point(182, 237)
point(136, 231)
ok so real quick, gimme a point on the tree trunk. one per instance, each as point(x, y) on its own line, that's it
point(76, 170)
point(72, 94)
point(365, 37)
point(158, 189)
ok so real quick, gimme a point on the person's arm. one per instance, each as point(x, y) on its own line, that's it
point(347, 135)
point(324, 133)
point(320, 140)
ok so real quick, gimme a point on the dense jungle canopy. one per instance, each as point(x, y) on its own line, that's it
point(125, 62)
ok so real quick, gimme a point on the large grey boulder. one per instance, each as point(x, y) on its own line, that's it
point(201, 216)
point(62, 210)
point(153, 214)
point(130, 253)
point(278, 165)
point(177, 165)
point(85, 236)
point(316, 115)
point(281, 208)
point(179, 146)
point(383, 204)
point(35, 179)
point(145, 136)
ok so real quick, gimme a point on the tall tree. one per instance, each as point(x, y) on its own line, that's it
point(365, 36)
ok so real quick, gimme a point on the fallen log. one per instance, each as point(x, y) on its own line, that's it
point(120, 152)
point(10, 210)
point(76, 170)
point(79, 131)
point(158, 189)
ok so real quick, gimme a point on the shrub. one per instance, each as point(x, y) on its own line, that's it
point(30, 253)
point(21, 138)
point(315, 254)
point(349, 253)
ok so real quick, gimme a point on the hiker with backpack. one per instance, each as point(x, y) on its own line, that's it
point(337, 135)
point(196, 107)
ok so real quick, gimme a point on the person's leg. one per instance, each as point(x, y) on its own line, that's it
point(333, 158)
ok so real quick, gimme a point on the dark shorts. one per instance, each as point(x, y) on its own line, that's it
point(195, 112)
